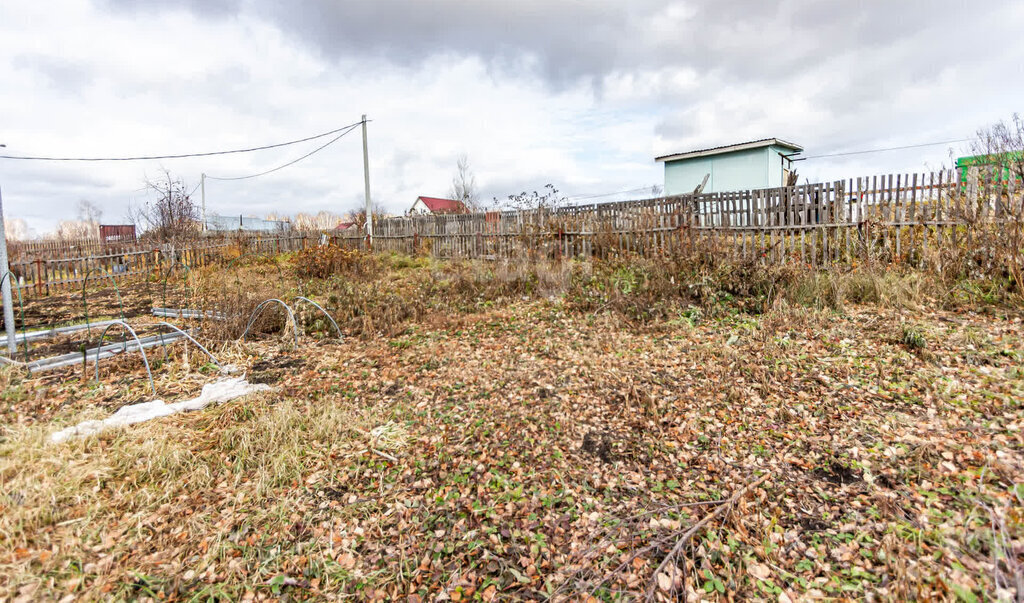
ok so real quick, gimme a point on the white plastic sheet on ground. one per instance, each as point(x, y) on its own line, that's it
point(217, 392)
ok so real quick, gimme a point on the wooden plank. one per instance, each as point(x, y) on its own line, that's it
point(925, 216)
point(913, 232)
point(814, 219)
point(826, 213)
point(747, 203)
point(762, 221)
point(848, 202)
point(811, 219)
point(800, 208)
point(794, 203)
point(940, 212)
point(780, 224)
point(835, 202)
point(827, 226)
point(898, 215)
point(887, 203)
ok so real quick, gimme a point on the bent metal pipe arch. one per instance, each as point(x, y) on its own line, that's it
point(21, 306)
point(190, 338)
point(317, 306)
point(142, 351)
point(259, 309)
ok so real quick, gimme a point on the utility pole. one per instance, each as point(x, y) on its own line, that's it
point(202, 189)
point(12, 343)
point(366, 178)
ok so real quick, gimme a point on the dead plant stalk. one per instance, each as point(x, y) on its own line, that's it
point(652, 588)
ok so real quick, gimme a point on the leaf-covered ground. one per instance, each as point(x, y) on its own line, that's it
point(526, 452)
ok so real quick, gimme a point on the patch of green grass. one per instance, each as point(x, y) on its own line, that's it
point(913, 337)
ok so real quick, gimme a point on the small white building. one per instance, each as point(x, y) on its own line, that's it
point(764, 163)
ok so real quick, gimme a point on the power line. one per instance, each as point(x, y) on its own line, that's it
point(909, 146)
point(294, 161)
point(185, 155)
point(632, 190)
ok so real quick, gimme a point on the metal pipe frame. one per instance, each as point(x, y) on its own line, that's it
point(259, 309)
point(317, 306)
point(105, 351)
point(190, 338)
point(9, 276)
point(141, 351)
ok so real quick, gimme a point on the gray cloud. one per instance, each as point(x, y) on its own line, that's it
point(843, 58)
point(751, 40)
point(210, 8)
point(565, 41)
point(579, 93)
point(64, 75)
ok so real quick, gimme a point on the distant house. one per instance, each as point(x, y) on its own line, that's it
point(435, 205)
point(117, 233)
point(345, 225)
point(232, 223)
point(764, 163)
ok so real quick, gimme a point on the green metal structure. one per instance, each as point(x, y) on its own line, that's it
point(1001, 161)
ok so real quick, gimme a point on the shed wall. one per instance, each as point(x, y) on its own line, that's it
point(739, 170)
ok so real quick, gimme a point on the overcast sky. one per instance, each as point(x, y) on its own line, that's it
point(582, 94)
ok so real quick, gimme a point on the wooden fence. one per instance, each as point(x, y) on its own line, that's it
point(42, 275)
point(893, 218)
point(22, 250)
point(918, 219)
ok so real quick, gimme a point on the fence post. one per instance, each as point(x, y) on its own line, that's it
point(6, 276)
point(40, 277)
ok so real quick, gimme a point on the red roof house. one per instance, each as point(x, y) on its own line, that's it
point(435, 205)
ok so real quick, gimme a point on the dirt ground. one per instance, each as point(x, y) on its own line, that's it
point(528, 452)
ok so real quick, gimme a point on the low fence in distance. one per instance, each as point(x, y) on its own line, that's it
point(41, 276)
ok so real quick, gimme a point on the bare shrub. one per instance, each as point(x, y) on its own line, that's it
point(173, 216)
point(230, 296)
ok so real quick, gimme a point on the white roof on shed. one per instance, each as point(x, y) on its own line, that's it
point(743, 146)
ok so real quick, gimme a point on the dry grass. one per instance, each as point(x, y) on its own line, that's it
point(99, 494)
point(364, 436)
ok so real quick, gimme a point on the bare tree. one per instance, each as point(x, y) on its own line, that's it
point(89, 212)
point(464, 185)
point(16, 229)
point(88, 224)
point(172, 216)
point(1000, 147)
point(357, 214)
point(322, 220)
point(70, 230)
